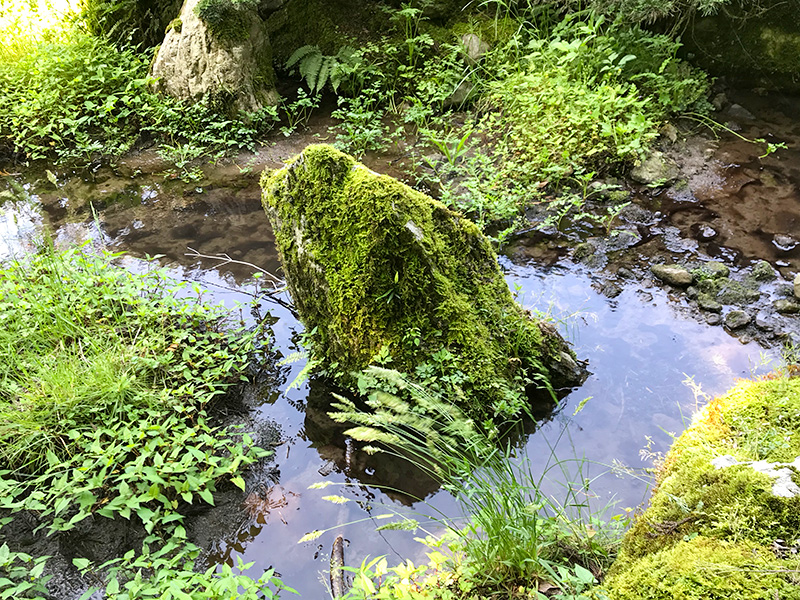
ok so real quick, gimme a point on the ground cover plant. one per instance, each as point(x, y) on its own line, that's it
point(106, 379)
point(556, 96)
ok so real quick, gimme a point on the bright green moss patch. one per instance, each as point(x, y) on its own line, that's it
point(227, 20)
point(704, 568)
point(382, 274)
point(733, 515)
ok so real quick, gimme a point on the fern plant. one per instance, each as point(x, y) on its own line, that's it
point(318, 69)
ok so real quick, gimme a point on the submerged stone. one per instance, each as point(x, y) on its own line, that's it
point(736, 292)
point(736, 319)
point(381, 273)
point(672, 274)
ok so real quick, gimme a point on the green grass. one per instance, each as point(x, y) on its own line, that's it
point(514, 536)
point(77, 98)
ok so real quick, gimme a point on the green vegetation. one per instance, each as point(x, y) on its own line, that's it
point(79, 99)
point(228, 20)
point(105, 382)
point(552, 98)
point(723, 530)
point(381, 274)
point(514, 540)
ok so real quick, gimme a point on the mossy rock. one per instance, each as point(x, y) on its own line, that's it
point(328, 24)
point(377, 268)
point(705, 569)
point(751, 43)
point(711, 527)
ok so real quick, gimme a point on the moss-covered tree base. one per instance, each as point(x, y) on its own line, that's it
point(382, 273)
point(718, 525)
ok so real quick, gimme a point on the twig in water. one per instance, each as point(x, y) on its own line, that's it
point(276, 281)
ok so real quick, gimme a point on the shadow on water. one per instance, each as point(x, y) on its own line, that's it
point(640, 344)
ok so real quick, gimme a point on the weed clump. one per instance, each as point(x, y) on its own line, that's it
point(382, 274)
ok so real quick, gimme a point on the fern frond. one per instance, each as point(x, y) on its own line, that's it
point(309, 69)
point(301, 53)
point(324, 71)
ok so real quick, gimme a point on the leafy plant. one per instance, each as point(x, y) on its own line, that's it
point(298, 112)
point(318, 70)
point(361, 124)
point(516, 535)
point(104, 384)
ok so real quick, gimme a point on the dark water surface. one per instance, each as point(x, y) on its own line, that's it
point(640, 347)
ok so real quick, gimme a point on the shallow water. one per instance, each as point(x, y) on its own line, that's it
point(640, 346)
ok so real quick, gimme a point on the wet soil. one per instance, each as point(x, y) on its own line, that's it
point(642, 338)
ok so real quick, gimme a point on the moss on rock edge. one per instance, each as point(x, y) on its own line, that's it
point(376, 267)
point(721, 530)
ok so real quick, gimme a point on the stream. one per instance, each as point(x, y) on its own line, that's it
point(652, 354)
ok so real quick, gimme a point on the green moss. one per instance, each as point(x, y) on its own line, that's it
point(175, 24)
point(376, 267)
point(731, 509)
point(706, 569)
point(227, 20)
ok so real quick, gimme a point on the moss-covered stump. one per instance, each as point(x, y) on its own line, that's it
point(724, 521)
point(383, 274)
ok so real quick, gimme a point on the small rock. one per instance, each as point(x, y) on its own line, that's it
point(763, 322)
point(786, 307)
point(625, 273)
point(645, 296)
point(719, 101)
point(691, 292)
point(656, 169)
point(763, 271)
point(707, 303)
point(784, 243)
point(610, 290)
point(716, 269)
point(736, 319)
point(620, 239)
point(797, 286)
point(735, 292)
point(474, 47)
point(462, 93)
point(706, 233)
point(672, 274)
point(670, 132)
point(713, 318)
point(740, 113)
